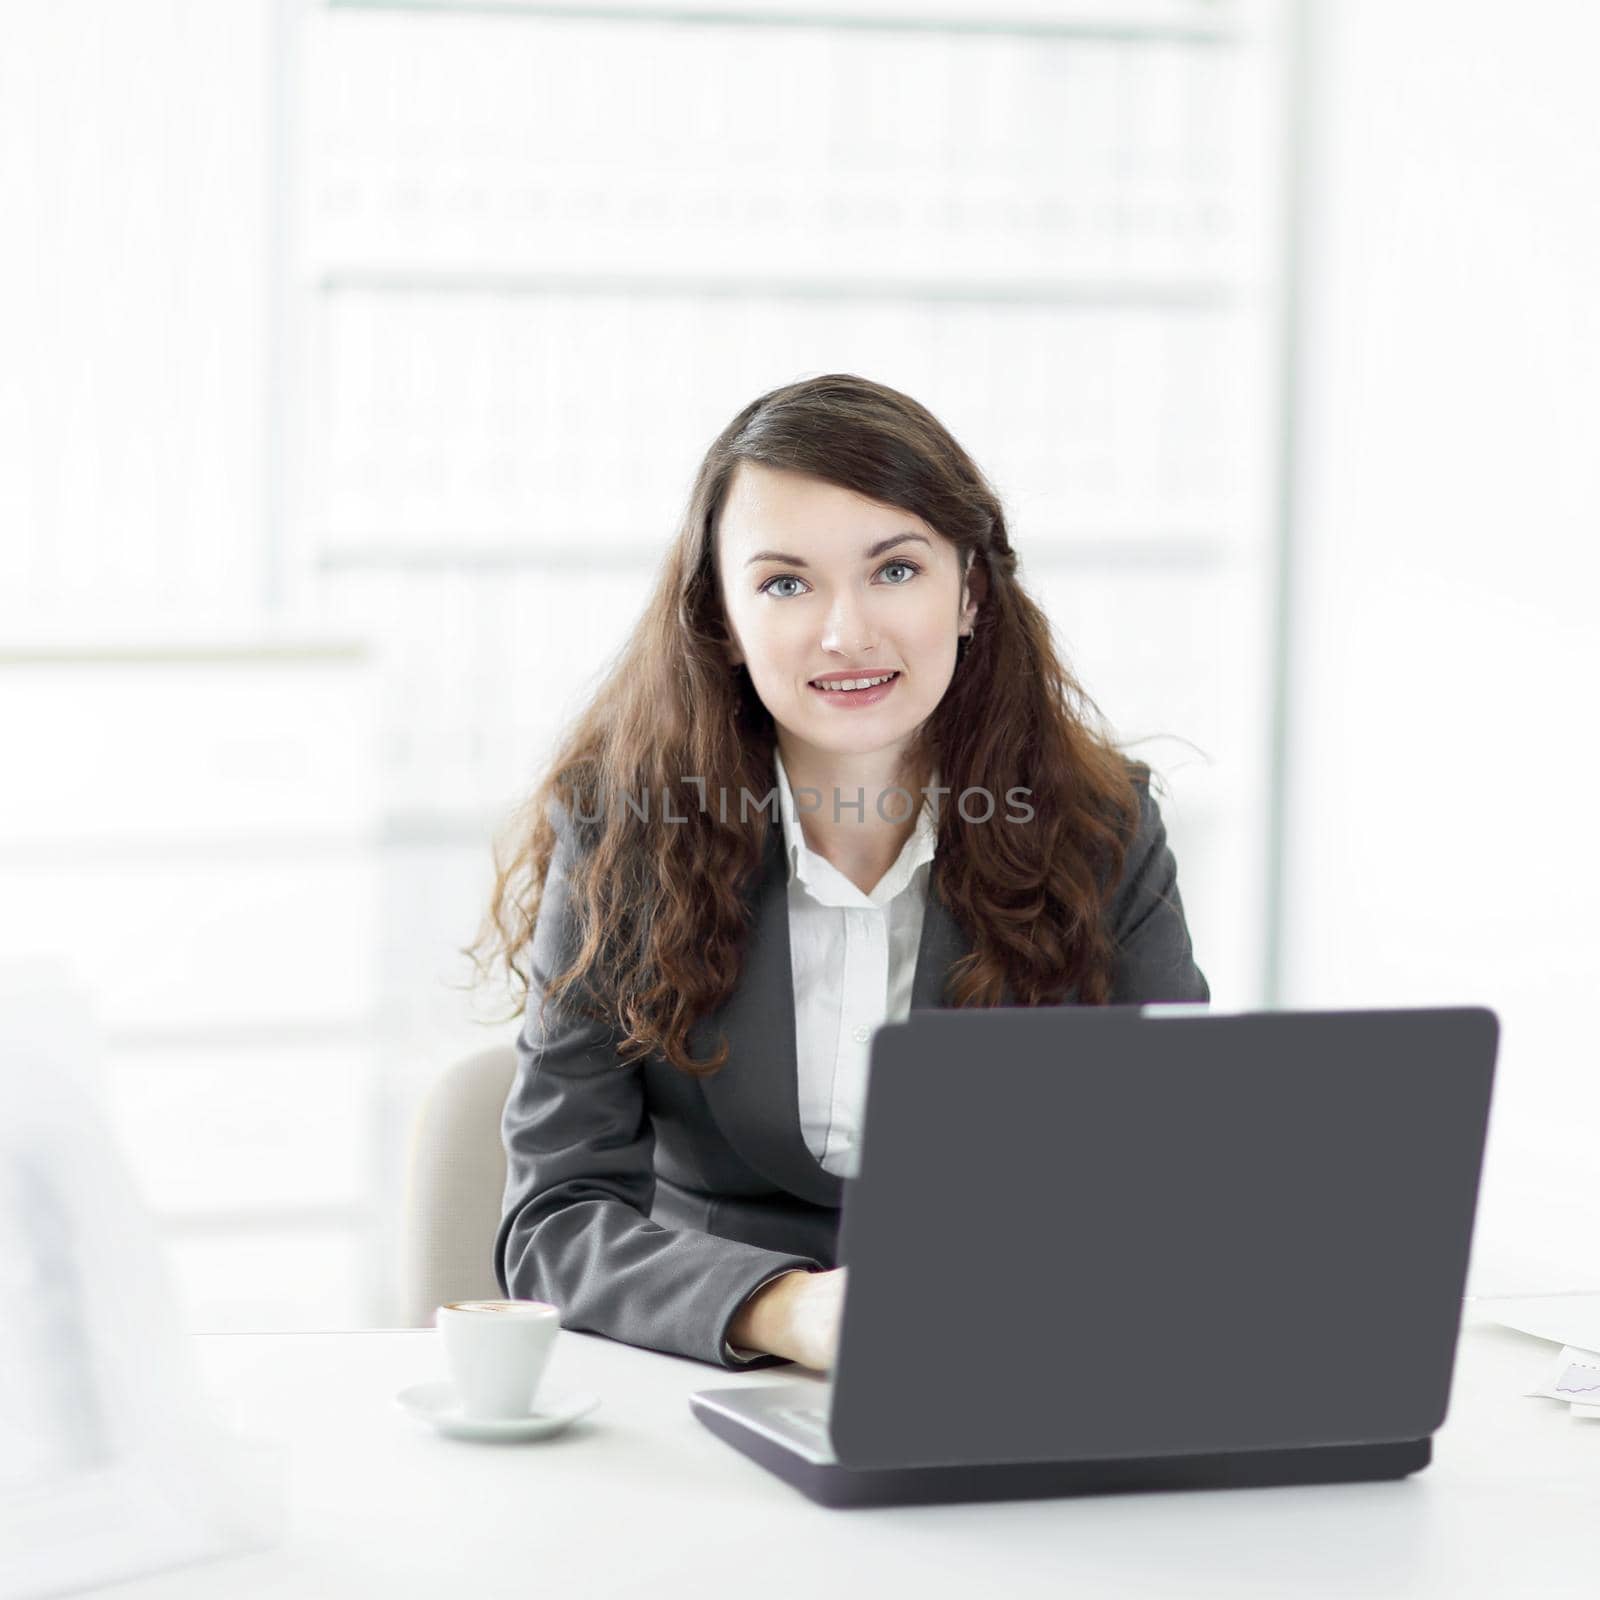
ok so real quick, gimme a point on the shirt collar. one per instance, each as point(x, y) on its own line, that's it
point(809, 867)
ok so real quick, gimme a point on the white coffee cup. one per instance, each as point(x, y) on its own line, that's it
point(497, 1351)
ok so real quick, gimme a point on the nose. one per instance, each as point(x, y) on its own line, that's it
point(849, 629)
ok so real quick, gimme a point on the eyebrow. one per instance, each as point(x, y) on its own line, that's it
point(876, 550)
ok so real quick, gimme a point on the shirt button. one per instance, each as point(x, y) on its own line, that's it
point(861, 1035)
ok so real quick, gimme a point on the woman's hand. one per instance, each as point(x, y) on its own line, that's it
point(811, 1334)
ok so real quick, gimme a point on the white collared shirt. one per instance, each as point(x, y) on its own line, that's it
point(854, 956)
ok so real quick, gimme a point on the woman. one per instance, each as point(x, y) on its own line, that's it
point(838, 771)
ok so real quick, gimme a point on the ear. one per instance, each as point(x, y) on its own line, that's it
point(974, 590)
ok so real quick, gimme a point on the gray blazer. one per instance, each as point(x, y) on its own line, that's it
point(649, 1205)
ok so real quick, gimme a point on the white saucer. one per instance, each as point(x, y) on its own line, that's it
point(436, 1404)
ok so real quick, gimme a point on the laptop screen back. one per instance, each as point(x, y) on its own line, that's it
point(1083, 1233)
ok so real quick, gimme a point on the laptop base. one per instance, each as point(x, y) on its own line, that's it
point(834, 1484)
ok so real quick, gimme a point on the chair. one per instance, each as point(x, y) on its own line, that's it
point(455, 1181)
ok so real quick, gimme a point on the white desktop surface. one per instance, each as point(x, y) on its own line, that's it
point(640, 1499)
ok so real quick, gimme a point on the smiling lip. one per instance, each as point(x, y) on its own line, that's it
point(853, 699)
point(847, 677)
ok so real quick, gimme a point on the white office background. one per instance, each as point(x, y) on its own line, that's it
point(358, 359)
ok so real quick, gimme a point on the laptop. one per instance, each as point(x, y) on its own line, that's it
point(1096, 1249)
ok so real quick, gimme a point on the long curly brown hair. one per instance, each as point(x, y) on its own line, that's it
point(660, 905)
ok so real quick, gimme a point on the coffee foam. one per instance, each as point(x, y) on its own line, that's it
point(507, 1308)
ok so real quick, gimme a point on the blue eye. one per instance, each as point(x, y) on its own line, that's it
point(788, 577)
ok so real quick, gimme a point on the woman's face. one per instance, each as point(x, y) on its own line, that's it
point(820, 583)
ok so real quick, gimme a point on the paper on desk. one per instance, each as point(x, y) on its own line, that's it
point(1574, 1377)
point(1572, 1319)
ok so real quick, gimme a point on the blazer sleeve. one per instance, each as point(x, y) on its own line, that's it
point(575, 1228)
point(1154, 957)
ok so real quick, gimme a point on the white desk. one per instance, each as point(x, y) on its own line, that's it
point(640, 1499)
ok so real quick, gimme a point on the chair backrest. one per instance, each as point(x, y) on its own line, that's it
point(455, 1183)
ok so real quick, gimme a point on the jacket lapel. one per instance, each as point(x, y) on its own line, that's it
point(755, 1098)
point(942, 943)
